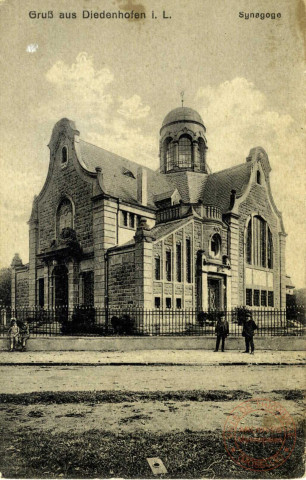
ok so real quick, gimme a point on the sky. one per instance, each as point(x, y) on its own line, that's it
point(118, 78)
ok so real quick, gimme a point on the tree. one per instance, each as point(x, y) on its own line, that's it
point(300, 296)
point(5, 287)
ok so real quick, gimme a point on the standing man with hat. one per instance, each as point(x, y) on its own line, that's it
point(222, 331)
point(248, 330)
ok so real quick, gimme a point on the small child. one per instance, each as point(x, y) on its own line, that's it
point(13, 334)
point(24, 334)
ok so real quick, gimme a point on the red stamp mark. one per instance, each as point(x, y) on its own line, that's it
point(259, 435)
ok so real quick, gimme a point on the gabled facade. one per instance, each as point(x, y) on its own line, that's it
point(107, 231)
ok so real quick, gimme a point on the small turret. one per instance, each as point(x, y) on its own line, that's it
point(182, 142)
point(16, 262)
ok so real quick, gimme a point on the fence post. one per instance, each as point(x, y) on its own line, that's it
point(3, 316)
point(106, 319)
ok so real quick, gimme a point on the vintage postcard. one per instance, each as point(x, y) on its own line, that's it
point(152, 255)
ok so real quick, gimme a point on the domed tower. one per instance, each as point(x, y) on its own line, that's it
point(182, 142)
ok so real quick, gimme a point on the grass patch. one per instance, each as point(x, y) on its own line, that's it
point(134, 418)
point(120, 397)
point(291, 394)
point(102, 454)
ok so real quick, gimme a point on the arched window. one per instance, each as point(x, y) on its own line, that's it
point(169, 154)
point(64, 155)
point(157, 269)
point(86, 288)
point(249, 243)
point(168, 265)
point(178, 262)
point(270, 249)
point(64, 216)
point(201, 154)
point(188, 260)
point(259, 243)
point(215, 245)
point(170, 163)
point(258, 177)
point(184, 152)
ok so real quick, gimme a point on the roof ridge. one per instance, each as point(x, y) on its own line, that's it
point(104, 149)
point(229, 168)
point(119, 156)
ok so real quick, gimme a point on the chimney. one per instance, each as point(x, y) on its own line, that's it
point(142, 186)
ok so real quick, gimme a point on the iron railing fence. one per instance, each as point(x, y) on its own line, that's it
point(89, 321)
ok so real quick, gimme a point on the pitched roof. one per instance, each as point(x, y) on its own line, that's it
point(165, 228)
point(117, 180)
point(189, 184)
point(127, 244)
point(218, 187)
point(157, 232)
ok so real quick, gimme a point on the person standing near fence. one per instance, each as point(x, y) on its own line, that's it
point(24, 334)
point(222, 331)
point(13, 334)
point(248, 330)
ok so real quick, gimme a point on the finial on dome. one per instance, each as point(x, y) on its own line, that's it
point(182, 97)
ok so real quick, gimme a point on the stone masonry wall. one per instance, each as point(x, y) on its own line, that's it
point(257, 202)
point(197, 245)
point(65, 181)
point(200, 235)
point(22, 288)
point(121, 279)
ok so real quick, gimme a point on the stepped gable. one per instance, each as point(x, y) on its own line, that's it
point(120, 174)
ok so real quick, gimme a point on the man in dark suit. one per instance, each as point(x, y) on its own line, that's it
point(248, 330)
point(222, 332)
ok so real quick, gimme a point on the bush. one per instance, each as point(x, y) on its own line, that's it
point(123, 325)
point(240, 314)
point(208, 318)
point(82, 321)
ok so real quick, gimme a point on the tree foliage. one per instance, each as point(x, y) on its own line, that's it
point(5, 287)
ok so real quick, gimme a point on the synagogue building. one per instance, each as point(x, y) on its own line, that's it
point(106, 231)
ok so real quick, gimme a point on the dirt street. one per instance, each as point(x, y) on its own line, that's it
point(104, 421)
point(252, 378)
point(155, 417)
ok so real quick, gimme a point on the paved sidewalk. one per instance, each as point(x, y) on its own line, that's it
point(153, 357)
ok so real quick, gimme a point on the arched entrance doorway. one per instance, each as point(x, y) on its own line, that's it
point(60, 286)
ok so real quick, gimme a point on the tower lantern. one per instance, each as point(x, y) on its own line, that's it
point(182, 141)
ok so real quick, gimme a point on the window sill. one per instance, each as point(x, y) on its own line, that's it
point(261, 307)
point(256, 267)
point(216, 260)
